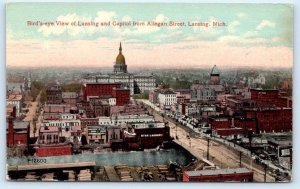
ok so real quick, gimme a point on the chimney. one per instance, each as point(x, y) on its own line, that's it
point(10, 136)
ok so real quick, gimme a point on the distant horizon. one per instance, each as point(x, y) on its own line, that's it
point(142, 67)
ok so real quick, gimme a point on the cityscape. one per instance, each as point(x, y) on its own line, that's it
point(86, 126)
point(152, 92)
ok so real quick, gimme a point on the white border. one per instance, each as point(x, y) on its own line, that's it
point(77, 185)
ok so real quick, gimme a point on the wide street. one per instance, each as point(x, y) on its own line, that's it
point(219, 154)
point(32, 113)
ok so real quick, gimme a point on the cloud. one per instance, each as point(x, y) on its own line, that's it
point(126, 18)
point(105, 16)
point(186, 54)
point(241, 15)
point(250, 34)
point(265, 23)
point(232, 40)
point(232, 26)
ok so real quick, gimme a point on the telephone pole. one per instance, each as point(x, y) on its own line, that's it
point(265, 175)
point(241, 159)
point(207, 149)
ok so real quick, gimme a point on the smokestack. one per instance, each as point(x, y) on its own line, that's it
point(10, 136)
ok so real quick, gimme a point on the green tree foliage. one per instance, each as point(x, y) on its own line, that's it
point(36, 88)
point(73, 87)
point(141, 96)
point(180, 84)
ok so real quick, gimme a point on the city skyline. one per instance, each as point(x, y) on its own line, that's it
point(245, 38)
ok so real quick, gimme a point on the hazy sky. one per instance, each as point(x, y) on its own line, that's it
point(254, 35)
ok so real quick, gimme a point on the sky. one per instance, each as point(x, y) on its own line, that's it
point(254, 35)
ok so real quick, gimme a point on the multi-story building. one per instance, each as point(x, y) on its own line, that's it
point(54, 94)
point(117, 120)
point(271, 119)
point(16, 100)
point(203, 92)
point(219, 175)
point(129, 109)
point(54, 111)
point(210, 91)
point(166, 98)
point(64, 124)
point(69, 98)
point(146, 135)
point(182, 95)
point(270, 97)
point(114, 92)
point(17, 132)
point(96, 134)
point(136, 83)
point(100, 107)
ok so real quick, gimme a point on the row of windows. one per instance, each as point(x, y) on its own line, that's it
point(63, 124)
point(151, 135)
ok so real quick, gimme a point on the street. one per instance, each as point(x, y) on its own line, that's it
point(31, 115)
point(220, 154)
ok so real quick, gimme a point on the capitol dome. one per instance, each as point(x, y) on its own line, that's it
point(120, 58)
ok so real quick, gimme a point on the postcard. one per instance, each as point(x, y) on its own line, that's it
point(158, 92)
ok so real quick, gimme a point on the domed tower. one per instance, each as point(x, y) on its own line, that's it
point(120, 65)
point(214, 76)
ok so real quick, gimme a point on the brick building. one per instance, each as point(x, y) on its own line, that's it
point(270, 97)
point(271, 119)
point(122, 96)
point(54, 94)
point(70, 98)
point(129, 109)
point(219, 175)
point(17, 132)
point(225, 126)
point(146, 135)
point(85, 121)
point(45, 151)
point(100, 107)
point(107, 90)
point(99, 89)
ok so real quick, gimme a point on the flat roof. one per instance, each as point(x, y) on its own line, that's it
point(15, 97)
point(21, 124)
point(51, 166)
point(217, 172)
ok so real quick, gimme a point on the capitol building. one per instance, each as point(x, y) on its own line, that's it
point(136, 83)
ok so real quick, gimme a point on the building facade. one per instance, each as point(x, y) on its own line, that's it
point(219, 175)
point(167, 98)
point(54, 94)
point(136, 83)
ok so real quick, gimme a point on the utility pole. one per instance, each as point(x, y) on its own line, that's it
point(176, 131)
point(241, 159)
point(207, 149)
point(190, 139)
point(265, 176)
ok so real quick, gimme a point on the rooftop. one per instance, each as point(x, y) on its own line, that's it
point(69, 95)
point(48, 129)
point(15, 97)
point(21, 124)
point(217, 172)
point(286, 142)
